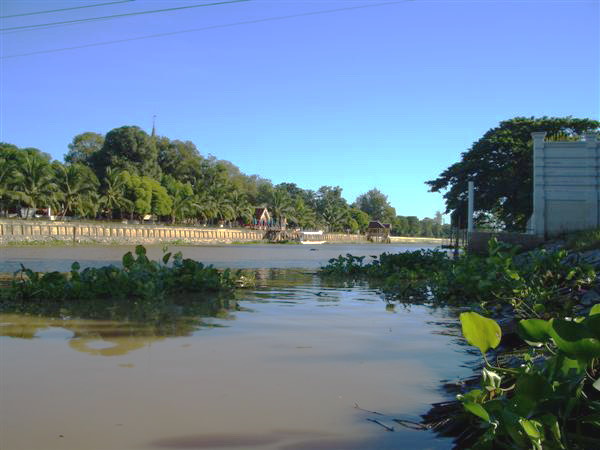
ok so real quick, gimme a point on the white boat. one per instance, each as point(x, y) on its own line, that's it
point(312, 237)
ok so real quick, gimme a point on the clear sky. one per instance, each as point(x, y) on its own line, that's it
point(383, 96)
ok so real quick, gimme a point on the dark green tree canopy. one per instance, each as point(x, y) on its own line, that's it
point(179, 159)
point(128, 148)
point(83, 146)
point(501, 166)
point(376, 204)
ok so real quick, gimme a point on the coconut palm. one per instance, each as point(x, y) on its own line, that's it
point(205, 206)
point(113, 196)
point(280, 204)
point(241, 207)
point(75, 183)
point(183, 201)
point(304, 216)
point(34, 181)
point(7, 178)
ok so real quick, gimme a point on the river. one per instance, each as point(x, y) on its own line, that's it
point(282, 366)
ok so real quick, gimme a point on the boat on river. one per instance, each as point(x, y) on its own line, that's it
point(311, 237)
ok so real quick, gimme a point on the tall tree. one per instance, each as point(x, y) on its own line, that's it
point(7, 180)
point(83, 146)
point(113, 192)
point(34, 180)
point(281, 205)
point(127, 148)
point(75, 184)
point(332, 208)
point(179, 159)
point(376, 205)
point(501, 166)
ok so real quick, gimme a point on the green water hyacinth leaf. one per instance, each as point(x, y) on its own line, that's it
point(534, 331)
point(75, 266)
point(574, 339)
point(595, 311)
point(480, 331)
point(478, 410)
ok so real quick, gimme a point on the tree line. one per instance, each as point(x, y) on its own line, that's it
point(130, 174)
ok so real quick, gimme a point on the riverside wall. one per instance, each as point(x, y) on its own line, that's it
point(16, 231)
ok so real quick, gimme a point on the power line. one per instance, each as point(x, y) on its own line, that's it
point(114, 16)
point(210, 27)
point(64, 9)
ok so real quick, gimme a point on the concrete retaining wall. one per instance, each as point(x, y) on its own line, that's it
point(566, 185)
point(105, 233)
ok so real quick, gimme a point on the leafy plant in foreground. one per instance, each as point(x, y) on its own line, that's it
point(550, 402)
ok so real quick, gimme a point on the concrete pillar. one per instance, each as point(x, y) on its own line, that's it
point(539, 183)
point(471, 206)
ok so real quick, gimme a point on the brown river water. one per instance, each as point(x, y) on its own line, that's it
point(281, 366)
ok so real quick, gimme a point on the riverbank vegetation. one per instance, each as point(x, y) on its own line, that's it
point(543, 391)
point(130, 174)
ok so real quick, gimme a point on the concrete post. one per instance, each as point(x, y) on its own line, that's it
point(539, 195)
point(471, 206)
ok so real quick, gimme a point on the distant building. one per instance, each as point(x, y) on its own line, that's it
point(378, 232)
point(262, 218)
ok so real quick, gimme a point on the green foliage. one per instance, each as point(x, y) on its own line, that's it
point(480, 331)
point(83, 146)
point(33, 179)
point(139, 278)
point(541, 284)
point(551, 400)
point(376, 205)
point(501, 166)
point(127, 148)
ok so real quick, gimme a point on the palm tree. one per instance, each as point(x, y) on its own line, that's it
point(183, 201)
point(114, 191)
point(7, 177)
point(34, 182)
point(280, 204)
point(304, 215)
point(241, 207)
point(205, 206)
point(75, 183)
point(335, 217)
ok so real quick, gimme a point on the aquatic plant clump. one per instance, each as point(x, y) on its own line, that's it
point(552, 402)
point(538, 284)
point(139, 278)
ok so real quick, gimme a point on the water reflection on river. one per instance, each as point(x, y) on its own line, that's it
point(281, 366)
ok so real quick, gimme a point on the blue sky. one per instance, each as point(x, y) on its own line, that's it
point(385, 96)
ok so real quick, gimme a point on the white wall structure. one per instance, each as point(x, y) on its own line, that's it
point(566, 185)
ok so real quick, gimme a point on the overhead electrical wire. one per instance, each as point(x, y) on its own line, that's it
point(210, 27)
point(115, 16)
point(65, 9)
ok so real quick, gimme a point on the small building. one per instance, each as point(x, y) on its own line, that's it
point(262, 218)
point(378, 232)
